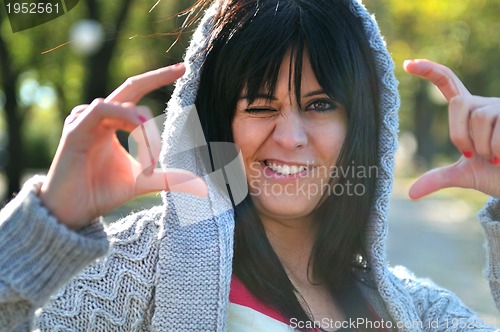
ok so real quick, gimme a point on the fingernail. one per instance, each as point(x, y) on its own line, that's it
point(142, 118)
point(405, 63)
point(467, 154)
point(495, 161)
point(180, 64)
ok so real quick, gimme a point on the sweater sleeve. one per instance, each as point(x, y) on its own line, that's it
point(438, 308)
point(115, 293)
point(489, 218)
point(38, 255)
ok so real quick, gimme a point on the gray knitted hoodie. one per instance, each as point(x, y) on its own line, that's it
point(169, 268)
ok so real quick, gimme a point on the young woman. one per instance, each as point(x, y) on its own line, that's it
point(306, 91)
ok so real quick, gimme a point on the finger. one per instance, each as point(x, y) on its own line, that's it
point(441, 76)
point(171, 180)
point(74, 113)
point(148, 140)
point(134, 88)
point(482, 122)
point(459, 112)
point(436, 179)
point(495, 144)
point(78, 109)
point(114, 116)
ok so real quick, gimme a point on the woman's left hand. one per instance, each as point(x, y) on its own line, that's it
point(474, 123)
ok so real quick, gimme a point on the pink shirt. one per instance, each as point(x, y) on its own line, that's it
point(248, 314)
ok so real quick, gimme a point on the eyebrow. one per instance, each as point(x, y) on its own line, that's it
point(265, 96)
point(315, 93)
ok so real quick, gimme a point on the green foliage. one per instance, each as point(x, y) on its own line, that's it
point(46, 53)
point(465, 35)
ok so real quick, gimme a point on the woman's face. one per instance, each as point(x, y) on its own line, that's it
point(289, 150)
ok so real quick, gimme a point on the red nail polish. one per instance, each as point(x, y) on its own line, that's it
point(467, 154)
point(142, 118)
point(495, 161)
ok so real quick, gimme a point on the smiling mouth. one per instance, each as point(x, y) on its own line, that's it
point(285, 169)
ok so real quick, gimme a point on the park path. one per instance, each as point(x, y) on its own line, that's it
point(440, 238)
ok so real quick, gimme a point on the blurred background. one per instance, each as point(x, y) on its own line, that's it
point(47, 70)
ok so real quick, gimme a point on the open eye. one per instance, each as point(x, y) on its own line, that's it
point(322, 105)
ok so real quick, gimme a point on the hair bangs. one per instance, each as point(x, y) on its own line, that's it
point(270, 35)
point(304, 29)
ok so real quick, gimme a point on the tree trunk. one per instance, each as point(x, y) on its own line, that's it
point(15, 156)
point(97, 73)
point(15, 147)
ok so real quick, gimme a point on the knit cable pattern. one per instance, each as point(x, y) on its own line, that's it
point(114, 293)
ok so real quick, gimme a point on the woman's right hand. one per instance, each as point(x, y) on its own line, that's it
point(92, 174)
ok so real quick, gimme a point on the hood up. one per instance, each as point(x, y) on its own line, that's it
point(201, 230)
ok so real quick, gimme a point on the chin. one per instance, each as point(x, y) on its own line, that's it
point(295, 208)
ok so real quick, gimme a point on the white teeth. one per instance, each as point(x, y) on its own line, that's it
point(286, 169)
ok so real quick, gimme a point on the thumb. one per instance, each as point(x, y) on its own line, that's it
point(171, 179)
point(436, 179)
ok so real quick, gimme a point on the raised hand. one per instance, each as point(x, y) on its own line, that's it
point(474, 129)
point(92, 174)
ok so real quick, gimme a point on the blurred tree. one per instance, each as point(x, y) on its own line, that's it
point(9, 78)
point(464, 35)
point(135, 36)
point(97, 65)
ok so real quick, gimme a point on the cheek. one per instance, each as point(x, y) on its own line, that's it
point(247, 144)
point(242, 139)
point(329, 142)
point(250, 135)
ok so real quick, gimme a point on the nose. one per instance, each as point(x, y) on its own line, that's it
point(290, 132)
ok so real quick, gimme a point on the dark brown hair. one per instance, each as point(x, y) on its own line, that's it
point(248, 42)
